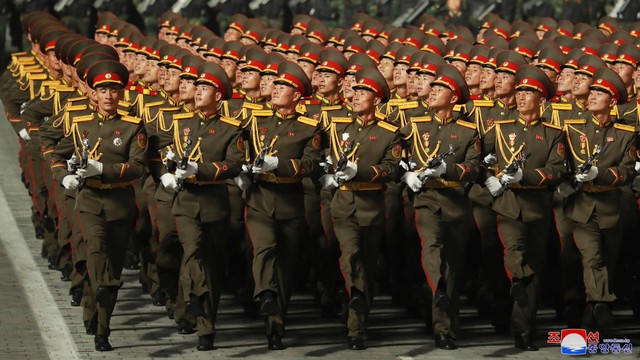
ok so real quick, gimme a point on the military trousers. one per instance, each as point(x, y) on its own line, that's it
point(276, 245)
point(203, 265)
point(599, 249)
point(443, 248)
point(359, 246)
point(524, 258)
point(570, 259)
point(106, 250)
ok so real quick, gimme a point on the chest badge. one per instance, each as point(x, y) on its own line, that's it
point(344, 142)
point(583, 144)
point(610, 139)
point(425, 139)
point(117, 142)
point(512, 141)
point(212, 131)
point(291, 133)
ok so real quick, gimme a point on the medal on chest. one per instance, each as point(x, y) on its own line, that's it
point(344, 142)
point(263, 133)
point(583, 144)
point(117, 141)
point(186, 135)
point(425, 141)
point(512, 142)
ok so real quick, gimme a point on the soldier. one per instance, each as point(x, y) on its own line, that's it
point(115, 148)
point(286, 145)
point(442, 209)
point(522, 195)
point(372, 149)
point(215, 149)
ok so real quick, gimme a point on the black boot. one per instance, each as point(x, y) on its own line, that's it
point(102, 343)
point(205, 343)
point(76, 297)
point(524, 341)
point(356, 343)
point(274, 342)
point(269, 303)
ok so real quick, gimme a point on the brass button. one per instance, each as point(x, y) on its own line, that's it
point(439, 126)
point(579, 112)
point(359, 129)
point(100, 123)
point(597, 131)
point(279, 122)
point(501, 112)
point(525, 129)
point(201, 122)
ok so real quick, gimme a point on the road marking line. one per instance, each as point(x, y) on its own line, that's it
point(53, 329)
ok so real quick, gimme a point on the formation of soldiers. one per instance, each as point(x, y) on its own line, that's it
point(225, 162)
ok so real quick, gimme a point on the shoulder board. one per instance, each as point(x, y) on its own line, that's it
point(124, 103)
point(175, 108)
point(341, 120)
point(575, 122)
point(504, 121)
point(51, 83)
point(552, 126)
point(307, 121)
point(385, 125)
point(458, 107)
point(19, 53)
point(123, 112)
point(264, 112)
point(237, 96)
point(333, 107)
point(149, 92)
point(252, 106)
point(408, 105)
point(230, 121)
point(624, 127)
point(131, 88)
point(483, 103)
point(396, 102)
point(312, 102)
point(466, 124)
point(80, 98)
point(182, 116)
point(64, 88)
point(76, 107)
point(83, 118)
point(380, 116)
point(154, 103)
point(130, 119)
point(561, 106)
point(37, 76)
point(420, 119)
point(301, 107)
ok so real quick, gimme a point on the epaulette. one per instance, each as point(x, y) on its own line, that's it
point(19, 53)
point(301, 108)
point(130, 119)
point(466, 124)
point(80, 98)
point(458, 107)
point(149, 92)
point(124, 103)
point(264, 112)
point(122, 112)
point(575, 122)
point(312, 102)
point(396, 102)
point(154, 103)
point(51, 83)
point(385, 125)
point(408, 105)
point(64, 88)
point(504, 121)
point(237, 96)
point(38, 76)
point(251, 106)
point(551, 126)
point(483, 103)
point(76, 107)
point(624, 127)
point(230, 121)
point(182, 116)
point(562, 106)
point(380, 116)
point(131, 88)
point(341, 120)
point(420, 119)
point(332, 107)
point(175, 108)
point(83, 118)
point(308, 121)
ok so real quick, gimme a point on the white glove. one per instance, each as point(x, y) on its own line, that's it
point(24, 134)
point(510, 179)
point(494, 186)
point(93, 168)
point(246, 168)
point(170, 156)
point(590, 175)
point(243, 181)
point(349, 171)
point(70, 182)
point(636, 183)
point(565, 189)
point(437, 171)
point(490, 159)
point(72, 162)
point(270, 163)
point(328, 181)
point(412, 165)
point(411, 179)
point(192, 169)
point(169, 181)
point(638, 166)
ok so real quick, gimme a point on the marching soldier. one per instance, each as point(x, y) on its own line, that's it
point(115, 148)
point(594, 208)
point(372, 149)
point(285, 147)
point(529, 155)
